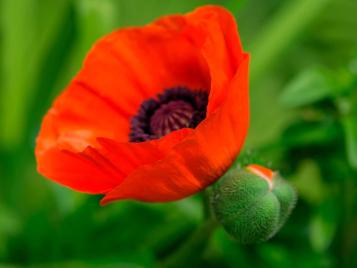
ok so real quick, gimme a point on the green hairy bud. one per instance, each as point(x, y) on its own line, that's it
point(252, 203)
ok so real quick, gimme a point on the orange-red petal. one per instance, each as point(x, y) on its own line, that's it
point(215, 29)
point(200, 158)
point(83, 142)
point(131, 65)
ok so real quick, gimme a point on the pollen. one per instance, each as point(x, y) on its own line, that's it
point(174, 109)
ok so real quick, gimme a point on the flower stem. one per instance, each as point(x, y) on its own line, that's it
point(192, 247)
point(196, 243)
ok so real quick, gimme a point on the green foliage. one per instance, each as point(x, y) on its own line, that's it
point(303, 123)
point(309, 87)
point(350, 127)
point(29, 30)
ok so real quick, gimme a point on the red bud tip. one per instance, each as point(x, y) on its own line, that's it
point(263, 172)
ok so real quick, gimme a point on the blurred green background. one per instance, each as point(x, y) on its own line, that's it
point(304, 123)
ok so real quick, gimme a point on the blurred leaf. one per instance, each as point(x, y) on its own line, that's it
point(323, 225)
point(26, 39)
point(335, 33)
point(275, 255)
point(353, 66)
point(321, 233)
point(309, 183)
point(130, 260)
point(231, 252)
point(279, 256)
point(9, 266)
point(9, 223)
point(66, 200)
point(281, 31)
point(234, 6)
point(310, 133)
point(310, 86)
point(349, 123)
point(116, 229)
point(9, 226)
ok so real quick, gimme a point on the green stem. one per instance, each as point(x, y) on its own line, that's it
point(192, 247)
point(207, 205)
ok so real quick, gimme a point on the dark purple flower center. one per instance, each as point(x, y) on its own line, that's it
point(174, 109)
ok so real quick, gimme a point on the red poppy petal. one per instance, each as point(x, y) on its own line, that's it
point(121, 71)
point(215, 30)
point(129, 156)
point(99, 170)
point(200, 158)
point(131, 65)
point(70, 125)
point(77, 171)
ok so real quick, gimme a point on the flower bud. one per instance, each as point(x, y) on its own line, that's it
point(252, 203)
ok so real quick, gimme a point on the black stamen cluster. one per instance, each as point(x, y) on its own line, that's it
point(140, 124)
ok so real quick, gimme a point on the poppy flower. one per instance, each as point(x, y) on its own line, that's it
point(156, 113)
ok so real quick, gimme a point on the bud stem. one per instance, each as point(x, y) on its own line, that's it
point(196, 243)
point(208, 212)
